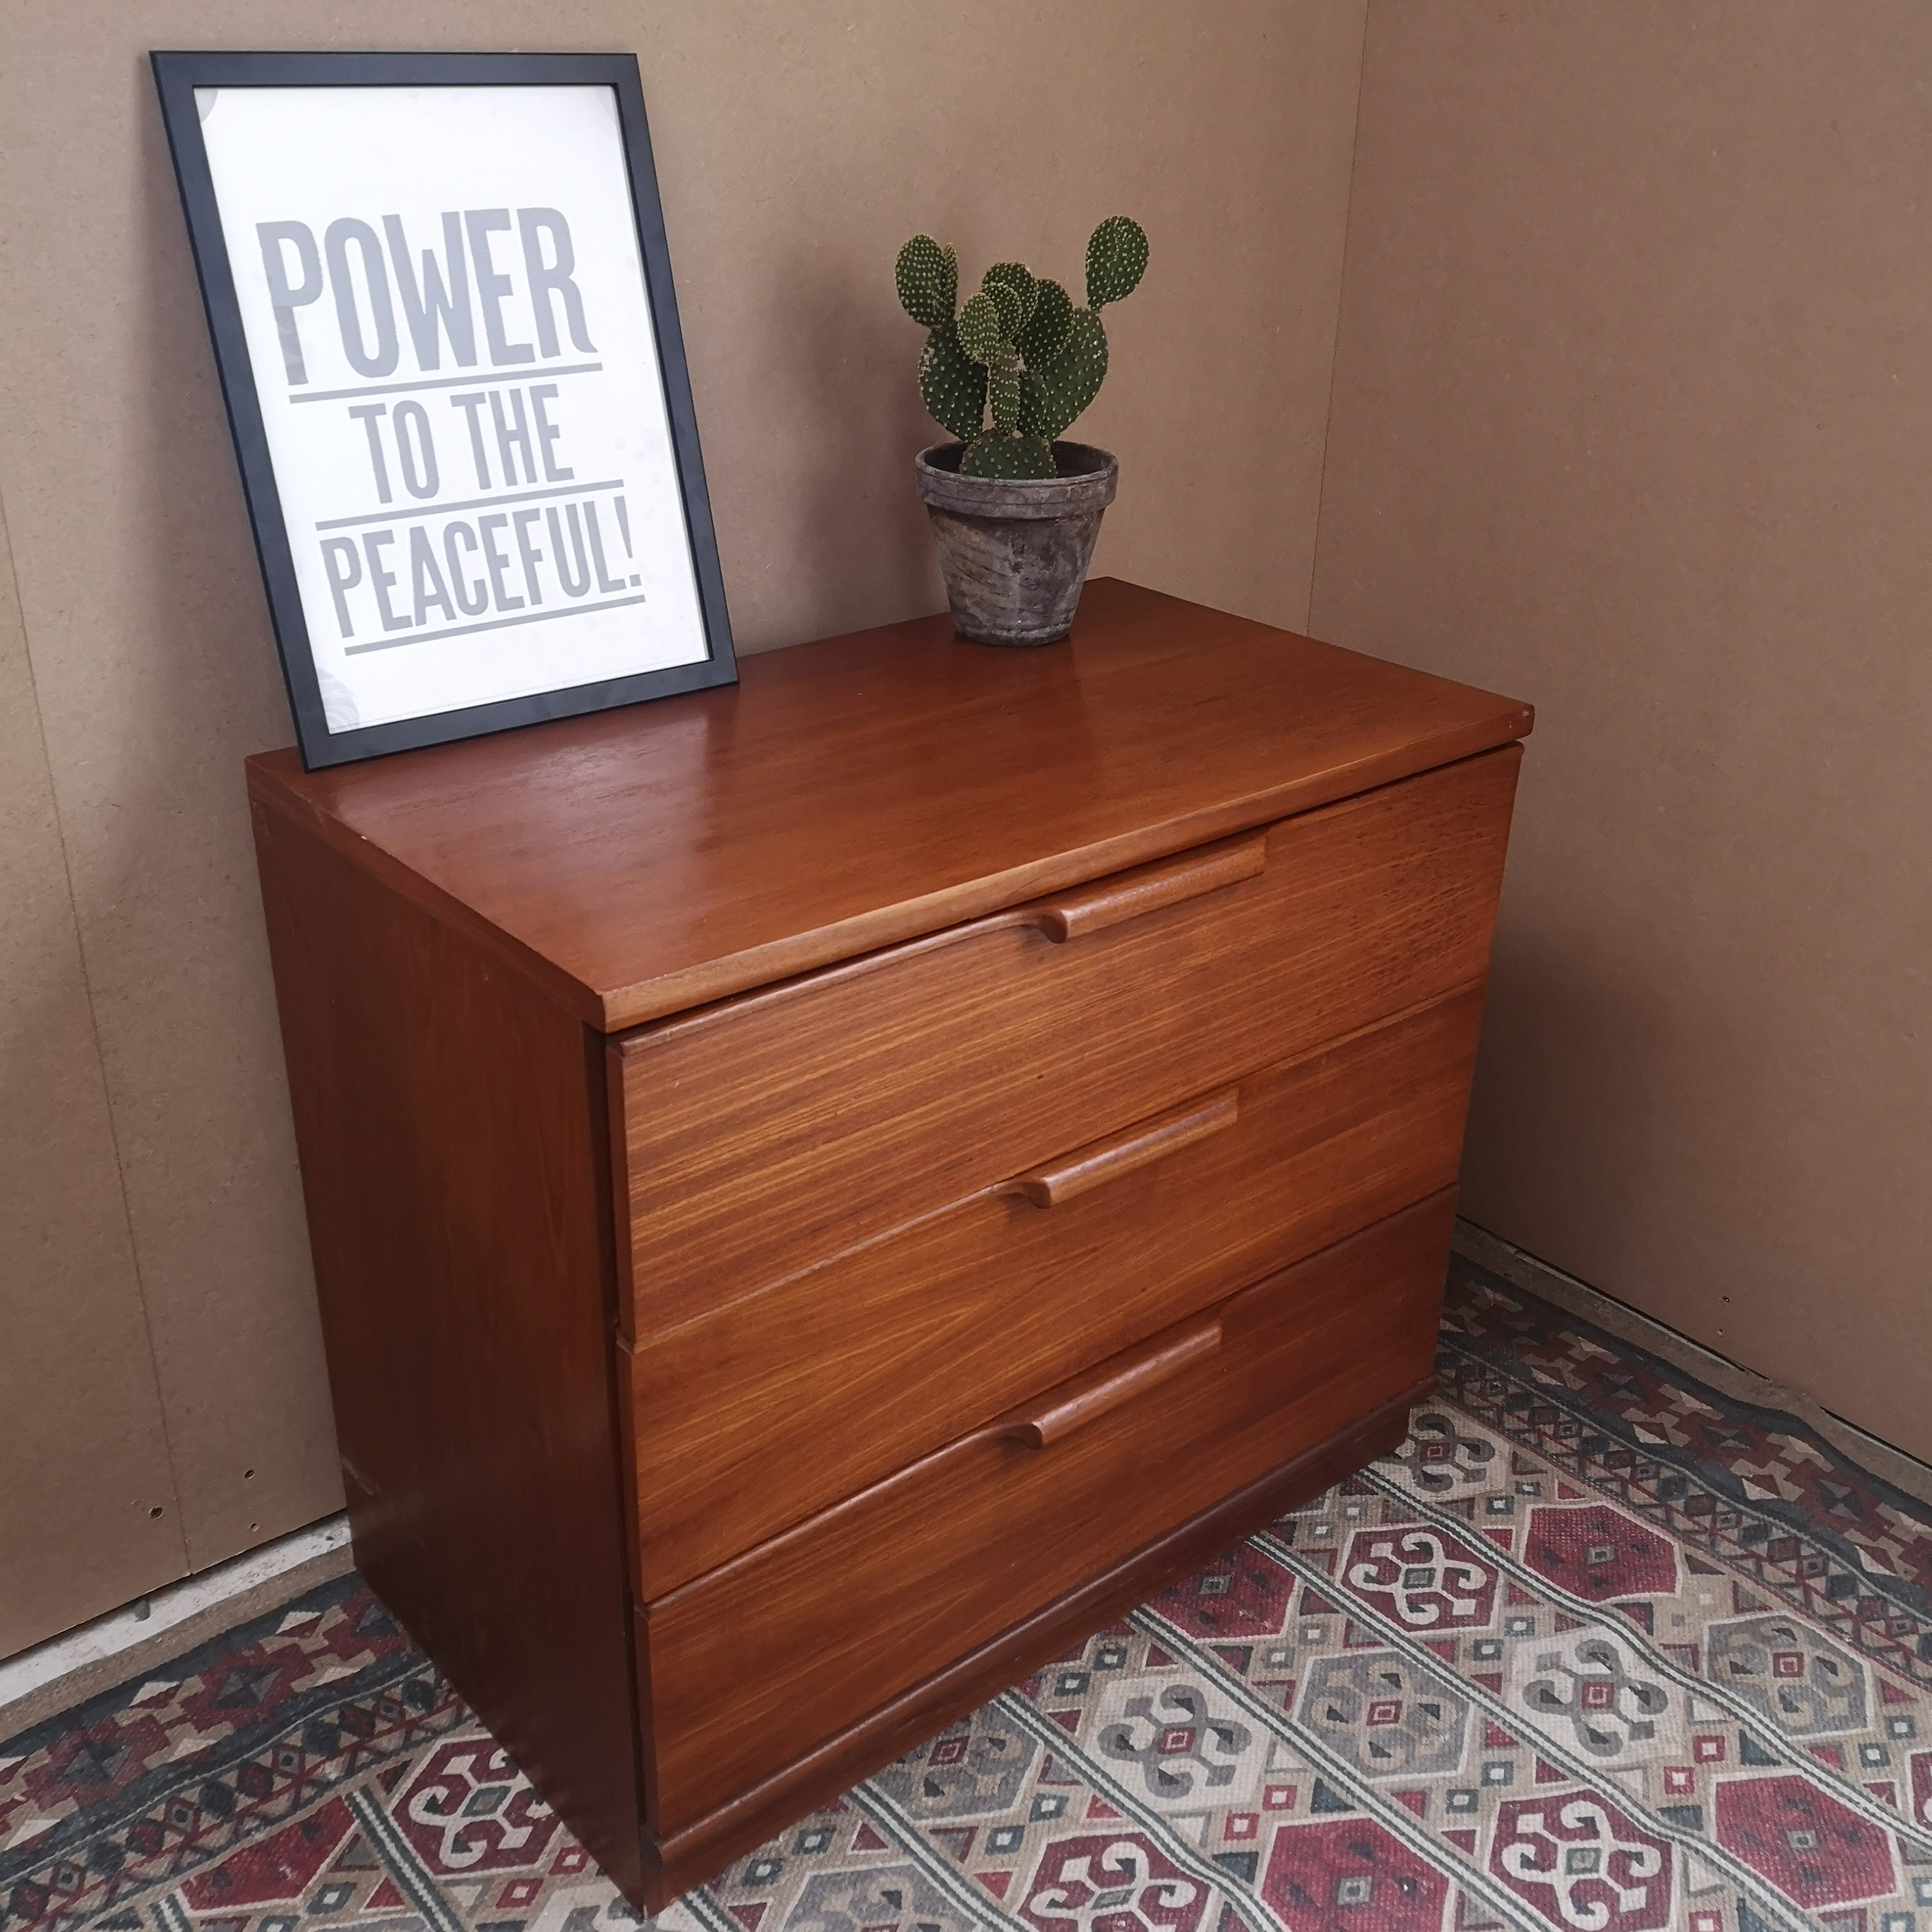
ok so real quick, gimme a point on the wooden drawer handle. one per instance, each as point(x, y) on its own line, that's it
point(1093, 1396)
point(1092, 908)
point(1140, 1147)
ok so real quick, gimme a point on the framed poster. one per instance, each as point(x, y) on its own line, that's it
point(442, 313)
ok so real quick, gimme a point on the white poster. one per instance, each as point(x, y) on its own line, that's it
point(446, 312)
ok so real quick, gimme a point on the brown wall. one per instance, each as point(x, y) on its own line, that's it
point(160, 1352)
point(1633, 417)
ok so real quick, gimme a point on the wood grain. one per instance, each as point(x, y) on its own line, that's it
point(701, 1849)
point(447, 1118)
point(742, 1423)
point(758, 1663)
point(851, 794)
point(760, 1136)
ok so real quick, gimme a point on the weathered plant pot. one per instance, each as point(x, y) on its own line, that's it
point(1014, 552)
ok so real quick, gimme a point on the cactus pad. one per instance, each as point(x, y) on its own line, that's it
point(1017, 276)
point(1117, 257)
point(1054, 392)
point(927, 276)
point(952, 385)
point(1011, 306)
point(1044, 332)
point(1003, 387)
point(1002, 454)
point(981, 328)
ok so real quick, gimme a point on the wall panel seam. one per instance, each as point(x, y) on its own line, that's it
point(179, 1525)
point(1335, 333)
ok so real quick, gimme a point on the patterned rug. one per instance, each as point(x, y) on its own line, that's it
point(1598, 1650)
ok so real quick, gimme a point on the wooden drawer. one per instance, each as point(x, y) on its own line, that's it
point(757, 1663)
point(741, 1421)
point(768, 1133)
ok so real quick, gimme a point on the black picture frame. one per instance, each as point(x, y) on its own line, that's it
point(177, 73)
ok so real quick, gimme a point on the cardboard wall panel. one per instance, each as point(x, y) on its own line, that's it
point(1633, 406)
point(798, 143)
point(88, 1516)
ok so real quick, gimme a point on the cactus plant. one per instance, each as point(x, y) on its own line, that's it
point(1007, 372)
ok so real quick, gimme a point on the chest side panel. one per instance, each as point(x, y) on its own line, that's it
point(449, 1122)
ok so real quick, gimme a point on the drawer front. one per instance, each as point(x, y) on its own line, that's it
point(771, 1132)
point(754, 1417)
point(755, 1664)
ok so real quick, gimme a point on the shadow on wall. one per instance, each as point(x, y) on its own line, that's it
point(848, 354)
point(1551, 1010)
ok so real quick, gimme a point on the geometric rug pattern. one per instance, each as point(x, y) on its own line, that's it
point(1598, 1650)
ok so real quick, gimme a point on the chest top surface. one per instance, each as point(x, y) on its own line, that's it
point(868, 789)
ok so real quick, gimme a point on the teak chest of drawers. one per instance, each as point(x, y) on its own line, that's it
point(826, 1192)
